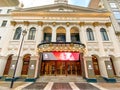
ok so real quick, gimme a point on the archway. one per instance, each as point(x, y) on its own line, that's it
point(75, 37)
point(95, 65)
point(61, 34)
point(47, 32)
point(26, 60)
point(7, 67)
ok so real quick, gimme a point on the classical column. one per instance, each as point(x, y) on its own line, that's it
point(39, 32)
point(113, 37)
point(102, 67)
point(89, 69)
point(54, 34)
point(68, 37)
point(116, 62)
point(99, 38)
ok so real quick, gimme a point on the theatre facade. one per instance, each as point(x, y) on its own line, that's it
point(61, 39)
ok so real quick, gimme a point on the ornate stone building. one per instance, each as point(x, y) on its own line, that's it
point(61, 39)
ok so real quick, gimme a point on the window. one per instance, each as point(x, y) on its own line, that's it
point(90, 34)
point(113, 5)
point(17, 33)
point(4, 23)
point(75, 37)
point(31, 35)
point(117, 15)
point(104, 34)
point(0, 10)
point(47, 37)
point(8, 11)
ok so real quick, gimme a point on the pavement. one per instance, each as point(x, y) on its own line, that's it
point(20, 85)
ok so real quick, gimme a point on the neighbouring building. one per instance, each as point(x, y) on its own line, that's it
point(61, 39)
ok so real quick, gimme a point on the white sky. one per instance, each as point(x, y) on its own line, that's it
point(32, 3)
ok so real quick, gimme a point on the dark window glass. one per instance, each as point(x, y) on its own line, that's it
point(17, 33)
point(4, 23)
point(32, 32)
point(104, 34)
point(90, 34)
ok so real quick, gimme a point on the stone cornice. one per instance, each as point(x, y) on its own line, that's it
point(47, 14)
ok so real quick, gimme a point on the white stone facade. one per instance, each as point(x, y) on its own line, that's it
point(102, 50)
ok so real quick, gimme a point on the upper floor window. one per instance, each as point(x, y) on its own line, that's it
point(4, 23)
point(90, 34)
point(104, 34)
point(117, 15)
point(0, 10)
point(17, 33)
point(8, 11)
point(31, 35)
point(113, 5)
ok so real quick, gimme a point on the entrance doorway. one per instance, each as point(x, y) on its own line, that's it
point(60, 68)
point(26, 60)
point(112, 65)
point(95, 65)
point(7, 67)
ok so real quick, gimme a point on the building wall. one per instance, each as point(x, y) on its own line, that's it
point(101, 49)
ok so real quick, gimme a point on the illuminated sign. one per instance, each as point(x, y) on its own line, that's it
point(71, 56)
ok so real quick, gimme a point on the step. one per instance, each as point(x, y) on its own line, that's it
point(60, 79)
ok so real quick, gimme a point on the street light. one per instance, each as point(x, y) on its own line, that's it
point(24, 32)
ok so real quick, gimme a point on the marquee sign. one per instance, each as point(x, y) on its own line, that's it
point(70, 56)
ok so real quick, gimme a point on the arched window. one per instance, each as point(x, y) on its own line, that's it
point(17, 33)
point(90, 34)
point(104, 34)
point(31, 35)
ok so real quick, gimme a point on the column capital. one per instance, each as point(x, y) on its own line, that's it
point(13, 23)
point(108, 24)
point(54, 23)
point(67, 24)
point(40, 23)
point(95, 24)
point(26, 23)
point(82, 24)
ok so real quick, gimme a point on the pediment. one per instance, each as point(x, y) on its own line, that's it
point(61, 8)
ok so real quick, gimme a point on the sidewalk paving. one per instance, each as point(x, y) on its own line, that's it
point(19, 85)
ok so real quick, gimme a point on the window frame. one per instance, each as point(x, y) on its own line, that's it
point(4, 23)
point(104, 34)
point(32, 32)
point(90, 34)
point(17, 34)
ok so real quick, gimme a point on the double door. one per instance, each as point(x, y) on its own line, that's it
point(61, 68)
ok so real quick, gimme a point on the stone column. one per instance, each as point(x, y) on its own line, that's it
point(102, 66)
point(113, 38)
point(3, 61)
point(116, 62)
point(99, 38)
point(54, 34)
point(89, 67)
point(68, 37)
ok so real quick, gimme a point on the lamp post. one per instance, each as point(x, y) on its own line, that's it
point(24, 32)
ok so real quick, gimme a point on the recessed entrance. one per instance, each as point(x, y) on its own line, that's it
point(60, 63)
point(61, 68)
point(95, 65)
